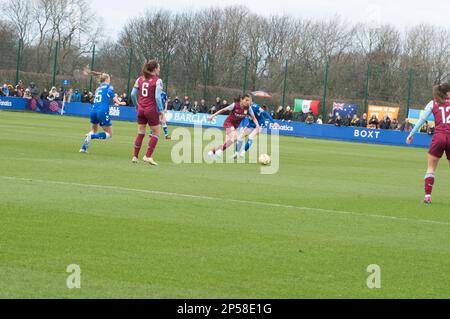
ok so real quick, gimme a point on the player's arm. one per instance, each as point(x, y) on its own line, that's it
point(269, 118)
point(158, 92)
point(422, 120)
point(252, 114)
point(226, 109)
point(135, 94)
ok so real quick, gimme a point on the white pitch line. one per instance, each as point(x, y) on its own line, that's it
point(239, 201)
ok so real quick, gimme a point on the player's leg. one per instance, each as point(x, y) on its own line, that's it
point(245, 131)
point(430, 177)
point(165, 127)
point(231, 138)
point(94, 129)
point(142, 126)
point(155, 127)
point(254, 133)
point(106, 124)
point(138, 141)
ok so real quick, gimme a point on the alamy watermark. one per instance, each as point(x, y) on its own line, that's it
point(194, 148)
point(73, 281)
point(374, 279)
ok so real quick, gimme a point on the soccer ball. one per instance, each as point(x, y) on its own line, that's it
point(264, 159)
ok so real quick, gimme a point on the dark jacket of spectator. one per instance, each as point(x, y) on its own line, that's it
point(85, 98)
point(203, 107)
point(44, 94)
point(347, 121)
point(338, 121)
point(34, 90)
point(280, 113)
point(363, 121)
point(373, 123)
point(309, 119)
point(176, 104)
point(76, 96)
point(288, 114)
point(394, 124)
point(385, 123)
point(195, 108)
point(355, 121)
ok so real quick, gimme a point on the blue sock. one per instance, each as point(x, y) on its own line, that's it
point(99, 136)
point(249, 144)
point(166, 130)
point(239, 145)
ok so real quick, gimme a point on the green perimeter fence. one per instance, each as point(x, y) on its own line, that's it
point(197, 77)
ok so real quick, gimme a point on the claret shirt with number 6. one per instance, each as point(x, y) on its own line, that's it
point(148, 90)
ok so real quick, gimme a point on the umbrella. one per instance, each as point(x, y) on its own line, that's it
point(262, 94)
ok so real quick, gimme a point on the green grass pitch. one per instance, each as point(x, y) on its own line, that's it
point(309, 231)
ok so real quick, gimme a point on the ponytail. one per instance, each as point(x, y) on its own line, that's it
point(101, 77)
point(149, 68)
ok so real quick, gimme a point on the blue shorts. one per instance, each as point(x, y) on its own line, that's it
point(101, 117)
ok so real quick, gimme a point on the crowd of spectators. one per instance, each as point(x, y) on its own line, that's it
point(186, 105)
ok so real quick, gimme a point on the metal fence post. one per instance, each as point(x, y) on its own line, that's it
point(325, 90)
point(244, 87)
point(55, 63)
point(19, 58)
point(285, 83)
point(366, 90)
point(206, 75)
point(92, 67)
point(130, 62)
point(410, 89)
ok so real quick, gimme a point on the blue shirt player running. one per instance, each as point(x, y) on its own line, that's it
point(249, 129)
point(100, 110)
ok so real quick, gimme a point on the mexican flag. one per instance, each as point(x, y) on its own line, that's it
point(307, 106)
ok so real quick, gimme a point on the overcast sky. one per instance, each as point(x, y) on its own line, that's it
point(401, 13)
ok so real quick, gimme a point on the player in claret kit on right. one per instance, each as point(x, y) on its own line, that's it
point(440, 108)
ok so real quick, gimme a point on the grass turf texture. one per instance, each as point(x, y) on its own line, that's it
point(131, 243)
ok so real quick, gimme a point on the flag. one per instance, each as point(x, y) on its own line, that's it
point(262, 94)
point(344, 109)
point(307, 106)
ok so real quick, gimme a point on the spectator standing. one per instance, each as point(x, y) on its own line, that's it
point(386, 123)
point(425, 128)
point(76, 96)
point(319, 120)
point(53, 95)
point(309, 119)
point(44, 94)
point(216, 106)
point(406, 126)
point(19, 89)
point(203, 106)
point(34, 91)
point(330, 119)
point(338, 121)
point(5, 90)
point(394, 124)
point(288, 114)
point(85, 98)
point(280, 113)
point(176, 104)
point(195, 108)
point(355, 121)
point(363, 121)
point(124, 98)
point(27, 94)
point(373, 123)
point(347, 120)
point(186, 104)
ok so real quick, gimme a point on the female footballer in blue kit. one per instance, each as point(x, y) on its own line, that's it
point(100, 110)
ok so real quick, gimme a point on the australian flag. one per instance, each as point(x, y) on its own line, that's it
point(344, 109)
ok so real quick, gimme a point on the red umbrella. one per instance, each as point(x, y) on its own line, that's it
point(262, 94)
